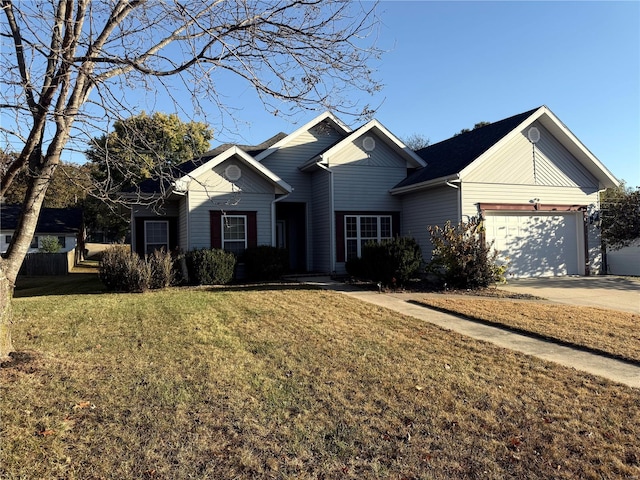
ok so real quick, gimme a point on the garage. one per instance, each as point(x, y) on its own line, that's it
point(537, 244)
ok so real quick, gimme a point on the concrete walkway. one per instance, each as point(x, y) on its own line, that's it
point(616, 370)
point(604, 291)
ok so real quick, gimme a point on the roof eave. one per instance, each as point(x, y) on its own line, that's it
point(414, 187)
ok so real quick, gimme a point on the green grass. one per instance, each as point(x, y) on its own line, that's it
point(291, 383)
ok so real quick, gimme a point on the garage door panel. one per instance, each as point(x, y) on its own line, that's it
point(535, 244)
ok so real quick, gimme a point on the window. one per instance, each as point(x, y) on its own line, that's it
point(360, 229)
point(34, 242)
point(62, 241)
point(234, 233)
point(156, 236)
point(7, 239)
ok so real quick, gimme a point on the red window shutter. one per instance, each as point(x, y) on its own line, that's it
point(139, 245)
point(395, 224)
point(340, 237)
point(252, 229)
point(216, 229)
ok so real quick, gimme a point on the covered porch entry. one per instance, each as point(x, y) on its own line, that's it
point(291, 233)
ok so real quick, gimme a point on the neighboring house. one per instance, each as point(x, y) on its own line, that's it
point(325, 190)
point(63, 223)
point(625, 261)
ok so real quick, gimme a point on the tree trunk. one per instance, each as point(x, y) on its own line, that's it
point(6, 315)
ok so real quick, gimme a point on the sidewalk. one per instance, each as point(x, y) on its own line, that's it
point(616, 370)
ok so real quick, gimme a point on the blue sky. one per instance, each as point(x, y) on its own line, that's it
point(451, 64)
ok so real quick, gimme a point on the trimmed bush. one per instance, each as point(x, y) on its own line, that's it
point(265, 262)
point(210, 266)
point(461, 259)
point(123, 271)
point(392, 262)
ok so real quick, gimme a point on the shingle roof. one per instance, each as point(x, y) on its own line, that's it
point(153, 185)
point(52, 220)
point(453, 155)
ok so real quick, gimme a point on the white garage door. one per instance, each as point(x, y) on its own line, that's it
point(536, 244)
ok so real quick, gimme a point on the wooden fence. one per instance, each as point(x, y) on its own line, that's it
point(48, 263)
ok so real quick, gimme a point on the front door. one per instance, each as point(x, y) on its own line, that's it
point(291, 233)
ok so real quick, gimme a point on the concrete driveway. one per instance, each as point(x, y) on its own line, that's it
point(612, 292)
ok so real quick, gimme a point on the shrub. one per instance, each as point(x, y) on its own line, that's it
point(210, 266)
point(163, 273)
point(355, 267)
point(265, 262)
point(123, 271)
point(392, 262)
point(50, 245)
point(461, 259)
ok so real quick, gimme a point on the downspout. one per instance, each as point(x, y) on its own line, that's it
point(604, 267)
point(457, 187)
point(332, 240)
point(273, 218)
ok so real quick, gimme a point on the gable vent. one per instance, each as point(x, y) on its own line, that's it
point(533, 134)
point(233, 173)
point(369, 144)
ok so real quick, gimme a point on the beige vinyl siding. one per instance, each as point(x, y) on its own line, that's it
point(428, 207)
point(211, 191)
point(321, 219)
point(286, 160)
point(513, 163)
point(474, 193)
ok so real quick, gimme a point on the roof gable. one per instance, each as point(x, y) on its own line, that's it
point(450, 157)
point(233, 152)
point(461, 154)
point(373, 126)
point(329, 117)
point(185, 169)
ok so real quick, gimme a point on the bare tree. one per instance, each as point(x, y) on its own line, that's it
point(416, 141)
point(72, 67)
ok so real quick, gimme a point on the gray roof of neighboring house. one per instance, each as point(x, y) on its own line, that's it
point(451, 156)
point(51, 220)
point(153, 185)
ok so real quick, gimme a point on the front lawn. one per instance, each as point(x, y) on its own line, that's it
point(291, 383)
point(613, 332)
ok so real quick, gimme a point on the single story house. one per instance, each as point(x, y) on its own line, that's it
point(63, 223)
point(324, 190)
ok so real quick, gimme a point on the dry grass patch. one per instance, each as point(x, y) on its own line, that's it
point(610, 331)
point(291, 383)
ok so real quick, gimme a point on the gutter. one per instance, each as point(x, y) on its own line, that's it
point(449, 180)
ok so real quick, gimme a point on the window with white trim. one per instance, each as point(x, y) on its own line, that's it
point(234, 233)
point(360, 229)
point(156, 236)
